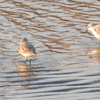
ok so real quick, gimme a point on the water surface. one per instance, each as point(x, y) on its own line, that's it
point(67, 64)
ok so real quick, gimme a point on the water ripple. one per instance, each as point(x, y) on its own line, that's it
point(67, 62)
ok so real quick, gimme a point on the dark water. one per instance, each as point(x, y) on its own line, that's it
point(67, 64)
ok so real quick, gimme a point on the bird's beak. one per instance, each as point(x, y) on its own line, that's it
point(86, 30)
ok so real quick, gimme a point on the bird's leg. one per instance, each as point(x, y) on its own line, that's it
point(25, 59)
point(30, 61)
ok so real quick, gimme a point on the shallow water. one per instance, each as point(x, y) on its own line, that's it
point(67, 64)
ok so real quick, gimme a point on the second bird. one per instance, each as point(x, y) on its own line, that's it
point(95, 30)
point(26, 49)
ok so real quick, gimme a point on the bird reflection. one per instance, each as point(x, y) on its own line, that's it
point(95, 54)
point(25, 74)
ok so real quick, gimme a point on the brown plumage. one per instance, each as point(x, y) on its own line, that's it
point(26, 49)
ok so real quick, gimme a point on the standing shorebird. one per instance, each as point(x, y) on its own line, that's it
point(95, 30)
point(26, 49)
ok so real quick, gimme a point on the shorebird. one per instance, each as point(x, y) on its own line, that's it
point(26, 49)
point(95, 30)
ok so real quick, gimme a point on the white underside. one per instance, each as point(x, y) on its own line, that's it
point(28, 55)
point(93, 32)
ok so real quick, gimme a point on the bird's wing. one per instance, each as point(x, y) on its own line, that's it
point(31, 48)
point(27, 48)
